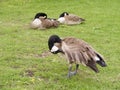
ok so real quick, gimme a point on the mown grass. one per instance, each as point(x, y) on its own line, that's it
point(21, 64)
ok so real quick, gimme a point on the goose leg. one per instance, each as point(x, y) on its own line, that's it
point(70, 69)
point(76, 70)
point(77, 66)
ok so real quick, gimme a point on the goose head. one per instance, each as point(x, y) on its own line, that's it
point(100, 60)
point(61, 18)
point(38, 15)
point(63, 14)
point(54, 44)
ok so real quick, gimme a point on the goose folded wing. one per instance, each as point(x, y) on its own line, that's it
point(79, 50)
point(73, 17)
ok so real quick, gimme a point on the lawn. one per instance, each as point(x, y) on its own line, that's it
point(26, 64)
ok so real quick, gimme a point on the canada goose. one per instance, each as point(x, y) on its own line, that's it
point(76, 51)
point(70, 19)
point(42, 22)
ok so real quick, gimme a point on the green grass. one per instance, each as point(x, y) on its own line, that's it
point(21, 64)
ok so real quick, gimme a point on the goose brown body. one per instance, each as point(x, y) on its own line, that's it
point(72, 19)
point(48, 23)
point(76, 51)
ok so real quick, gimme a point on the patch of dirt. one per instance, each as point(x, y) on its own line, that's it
point(15, 67)
point(44, 54)
point(2, 86)
point(28, 73)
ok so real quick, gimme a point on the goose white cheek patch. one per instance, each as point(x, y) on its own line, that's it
point(54, 49)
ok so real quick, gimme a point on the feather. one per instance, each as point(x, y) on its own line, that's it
point(92, 65)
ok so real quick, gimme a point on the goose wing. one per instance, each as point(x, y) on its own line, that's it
point(79, 51)
point(47, 23)
point(75, 18)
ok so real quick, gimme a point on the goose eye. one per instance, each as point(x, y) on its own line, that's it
point(54, 49)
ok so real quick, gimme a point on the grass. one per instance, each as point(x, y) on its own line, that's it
point(21, 64)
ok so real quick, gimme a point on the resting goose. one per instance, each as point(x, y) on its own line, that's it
point(76, 51)
point(42, 22)
point(70, 19)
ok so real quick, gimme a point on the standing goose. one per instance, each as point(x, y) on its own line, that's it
point(42, 22)
point(76, 51)
point(70, 19)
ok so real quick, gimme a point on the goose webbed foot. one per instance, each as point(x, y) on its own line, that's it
point(72, 73)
